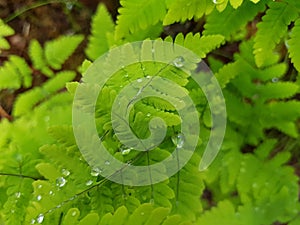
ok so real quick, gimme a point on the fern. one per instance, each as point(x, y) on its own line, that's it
point(271, 30)
point(44, 178)
point(15, 73)
point(5, 30)
point(205, 43)
point(31, 98)
point(138, 15)
point(180, 10)
point(59, 50)
point(230, 20)
point(102, 24)
point(294, 45)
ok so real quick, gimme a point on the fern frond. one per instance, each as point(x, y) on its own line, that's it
point(199, 45)
point(180, 10)
point(229, 21)
point(294, 47)
point(188, 186)
point(15, 73)
point(5, 31)
point(270, 31)
point(138, 15)
point(37, 57)
point(18, 193)
point(29, 99)
point(102, 24)
point(224, 210)
point(145, 214)
point(59, 50)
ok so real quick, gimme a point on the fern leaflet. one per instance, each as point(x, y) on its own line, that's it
point(272, 28)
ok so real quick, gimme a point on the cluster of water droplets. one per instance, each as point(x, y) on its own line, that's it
point(38, 220)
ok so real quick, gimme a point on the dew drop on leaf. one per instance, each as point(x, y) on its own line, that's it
point(40, 218)
point(178, 140)
point(39, 197)
point(39, 186)
point(65, 172)
point(139, 80)
point(124, 150)
point(60, 182)
point(89, 182)
point(18, 194)
point(275, 79)
point(74, 213)
point(148, 114)
point(107, 162)
point(51, 193)
point(32, 221)
point(179, 62)
point(96, 171)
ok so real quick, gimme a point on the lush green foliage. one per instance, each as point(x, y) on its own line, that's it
point(44, 179)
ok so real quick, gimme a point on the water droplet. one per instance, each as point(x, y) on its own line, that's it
point(89, 182)
point(142, 213)
point(126, 75)
point(139, 80)
point(58, 206)
point(179, 62)
point(18, 194)
point(60, 182)
point(39, 197)
point(32, 221)
point(275, 79)
point(178, 140)
point(107, 162)
point(39, 186)
point(51, 193)
point(95, 172)
point(124, 150)
point(74, 213)
point(65, 172)
point(40, 218)
point(148, 77)
point(12, 211)
point(50, 210)
point(148, 114)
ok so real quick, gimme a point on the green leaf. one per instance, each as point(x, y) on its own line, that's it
point(181, 10)
point(228, 22)
point(138, 15)
point(60, 49)
point(270, 31)
point(102, 24)
point(294, 47)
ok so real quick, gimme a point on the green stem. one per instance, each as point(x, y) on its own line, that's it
point(27, 8)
